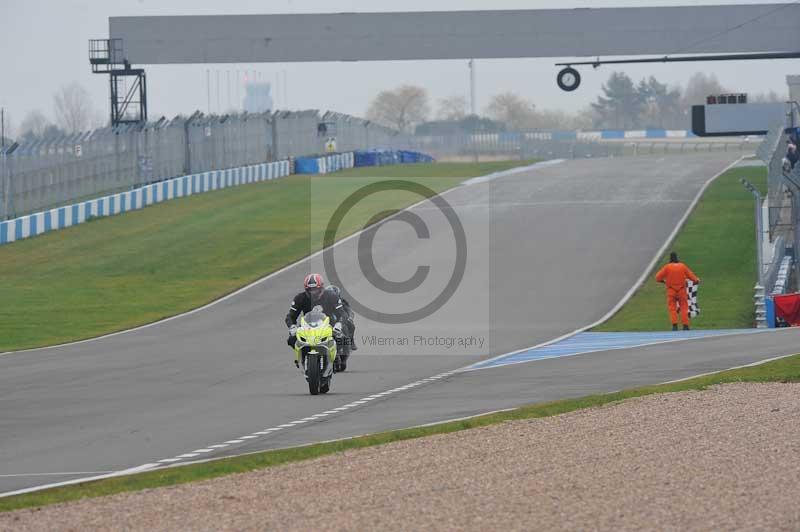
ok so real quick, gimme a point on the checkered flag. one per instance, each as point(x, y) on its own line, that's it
point(691, 292)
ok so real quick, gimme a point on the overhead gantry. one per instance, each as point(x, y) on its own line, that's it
point(762, 31)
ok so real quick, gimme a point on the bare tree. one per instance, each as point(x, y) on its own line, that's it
point(33, 124)
point(699, 87)
point(73, 108)
point(452, 108)
point(768, 97)
point(400, 108)
point(513, 110)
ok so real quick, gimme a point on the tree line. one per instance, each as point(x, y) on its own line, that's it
point(73, 111)
point(622, 104)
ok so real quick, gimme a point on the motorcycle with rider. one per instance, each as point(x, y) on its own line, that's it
point(323, 338)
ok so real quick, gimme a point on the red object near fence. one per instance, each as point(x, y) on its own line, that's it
point(787, 307)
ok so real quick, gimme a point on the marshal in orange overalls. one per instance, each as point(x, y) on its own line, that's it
point(674, 275)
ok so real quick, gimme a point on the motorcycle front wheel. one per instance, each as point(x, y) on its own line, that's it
point(314, 373)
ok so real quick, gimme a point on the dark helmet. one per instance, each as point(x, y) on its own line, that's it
point(673, 257)
point(335, 290)
point(314, 285)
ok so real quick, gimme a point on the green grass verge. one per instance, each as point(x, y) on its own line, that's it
point(120, 272)
point(718, 244)
point(784, 370)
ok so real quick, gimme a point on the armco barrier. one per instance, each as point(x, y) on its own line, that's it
point(60, 218)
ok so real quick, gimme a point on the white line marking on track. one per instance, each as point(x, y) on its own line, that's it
point(130, 471)
point(66, 473)
point(309, 419)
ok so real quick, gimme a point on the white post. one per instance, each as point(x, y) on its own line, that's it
point(286, 88)
point(473, 107)
point(208, 91)
point(219, 101)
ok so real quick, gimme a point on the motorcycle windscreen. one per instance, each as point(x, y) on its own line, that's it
point(315, 319)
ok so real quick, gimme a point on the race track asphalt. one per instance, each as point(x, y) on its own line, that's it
point(547, 251)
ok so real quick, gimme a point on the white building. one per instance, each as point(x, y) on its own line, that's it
point(257, 97)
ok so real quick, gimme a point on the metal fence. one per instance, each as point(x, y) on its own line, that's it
point(772, 151)
point(43, 173)
point(783, 199)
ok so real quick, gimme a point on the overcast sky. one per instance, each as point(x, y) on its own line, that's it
point(43, 45)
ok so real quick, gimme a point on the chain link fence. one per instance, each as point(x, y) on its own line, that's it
point(39, 174)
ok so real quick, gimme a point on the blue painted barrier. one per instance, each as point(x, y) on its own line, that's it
point(306, 165)
point(612, 134)
point(389, 157)
point(770, 305)
point(656, 134)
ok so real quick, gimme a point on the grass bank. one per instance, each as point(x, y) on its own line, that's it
point(120, 272)
point(784, 370)
point(718, 244)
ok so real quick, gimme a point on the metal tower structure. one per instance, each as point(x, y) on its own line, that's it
point(128, 85)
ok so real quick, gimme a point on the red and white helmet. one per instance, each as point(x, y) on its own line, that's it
point(313, 284)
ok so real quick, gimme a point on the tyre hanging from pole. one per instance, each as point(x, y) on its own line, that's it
point(568, 79)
